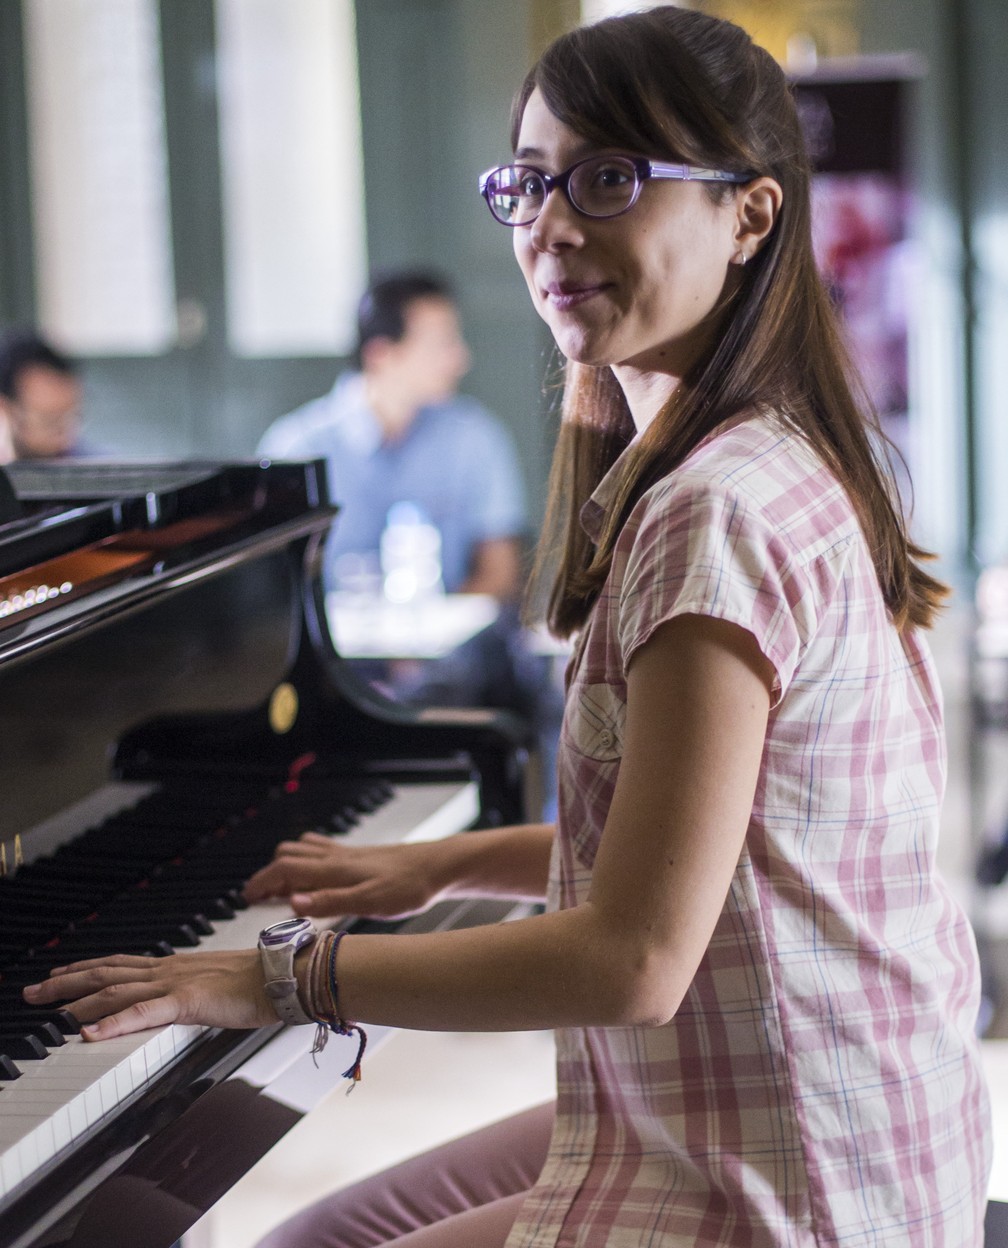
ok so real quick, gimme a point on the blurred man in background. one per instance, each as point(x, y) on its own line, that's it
point(394, 429)
point(40, 400)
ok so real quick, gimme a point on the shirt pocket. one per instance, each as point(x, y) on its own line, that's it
point(596, 726)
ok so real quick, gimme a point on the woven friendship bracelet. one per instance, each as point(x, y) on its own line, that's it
point(323, 1005)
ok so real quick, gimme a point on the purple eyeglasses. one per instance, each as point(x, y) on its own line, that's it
point(600, 186)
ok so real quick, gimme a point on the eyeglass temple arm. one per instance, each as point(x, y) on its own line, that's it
point(690, 173)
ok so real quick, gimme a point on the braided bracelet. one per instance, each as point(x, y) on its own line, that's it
point(323, 1004)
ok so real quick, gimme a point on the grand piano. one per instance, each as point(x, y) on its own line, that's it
point(171, 706)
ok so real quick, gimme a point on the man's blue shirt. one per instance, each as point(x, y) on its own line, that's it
point(456, 462)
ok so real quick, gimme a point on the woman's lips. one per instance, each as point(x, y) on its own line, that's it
point(566, 295)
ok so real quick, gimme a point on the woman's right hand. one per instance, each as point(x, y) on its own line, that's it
point(326, 879)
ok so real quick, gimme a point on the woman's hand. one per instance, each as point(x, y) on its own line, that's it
point(324, 878)
point(125, 993)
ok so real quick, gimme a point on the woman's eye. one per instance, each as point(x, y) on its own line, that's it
point(610, 176)
point(529, 185)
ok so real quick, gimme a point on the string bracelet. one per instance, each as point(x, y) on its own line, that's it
point(323, 1001)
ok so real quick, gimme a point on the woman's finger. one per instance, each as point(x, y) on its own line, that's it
point(317, 840)
point(269, 881)
point(74, 984)
point(367, 900)
point(136, 999)
point(308, 846)
point(137, 1017)
point(134, 960)
point(217, 989)
point(286, 875)
point(281, 879)
point(326, 903)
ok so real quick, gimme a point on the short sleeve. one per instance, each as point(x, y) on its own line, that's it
point(703, 549)
point(298, 435)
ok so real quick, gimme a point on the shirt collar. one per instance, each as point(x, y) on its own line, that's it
point(593, 512)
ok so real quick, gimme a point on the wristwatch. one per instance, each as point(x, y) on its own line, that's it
point(278, 944)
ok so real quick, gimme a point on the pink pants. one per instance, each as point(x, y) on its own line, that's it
point(466, 1192)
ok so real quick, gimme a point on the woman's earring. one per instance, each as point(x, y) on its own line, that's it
point(741, 258)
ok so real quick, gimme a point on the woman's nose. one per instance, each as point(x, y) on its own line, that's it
point(558, 224)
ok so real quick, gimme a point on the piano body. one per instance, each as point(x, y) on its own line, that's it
point(171, 706)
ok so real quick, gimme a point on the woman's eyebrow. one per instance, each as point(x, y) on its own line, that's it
point(581, 152)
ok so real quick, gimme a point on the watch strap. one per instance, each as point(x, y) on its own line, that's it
point(277, 958)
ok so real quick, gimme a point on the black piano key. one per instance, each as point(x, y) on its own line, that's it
point(61, 1019)
point(29, 900)
point(22, 1046)
point(224, 874)
point(12, 930)
point(112, 936)
point(48, 1033)
point(215, 903)
point(61, 878)
point(79, 949)
point(17, 1013)
point(8, 1070)
point(123, 916)
point(190, 904)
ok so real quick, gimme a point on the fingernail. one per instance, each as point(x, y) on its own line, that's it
point(300, 899)
point(31, 991)
point(91, 1030)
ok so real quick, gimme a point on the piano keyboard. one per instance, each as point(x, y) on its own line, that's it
point(51, 1103)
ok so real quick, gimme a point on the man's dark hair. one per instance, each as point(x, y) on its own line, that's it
point(381, 312)
point(23, 348)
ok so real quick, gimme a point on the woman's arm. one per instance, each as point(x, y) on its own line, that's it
point(697, 707)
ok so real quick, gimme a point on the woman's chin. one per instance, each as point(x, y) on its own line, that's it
point(582, 350)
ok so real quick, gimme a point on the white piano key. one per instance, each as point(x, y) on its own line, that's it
point(11, 1168)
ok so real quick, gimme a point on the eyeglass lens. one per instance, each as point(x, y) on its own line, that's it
point(602, 187)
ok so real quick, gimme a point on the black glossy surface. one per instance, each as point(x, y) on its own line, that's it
point(164, 678)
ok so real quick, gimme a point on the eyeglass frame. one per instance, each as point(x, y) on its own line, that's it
point(643, 170)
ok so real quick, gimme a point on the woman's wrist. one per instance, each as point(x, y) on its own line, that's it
point(497, 862)
point(318, 989)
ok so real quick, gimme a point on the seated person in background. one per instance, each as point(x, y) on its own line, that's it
point(6, 442)
point(395, 429)
point(40, 399)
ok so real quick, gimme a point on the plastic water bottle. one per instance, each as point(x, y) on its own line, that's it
point(410, 554)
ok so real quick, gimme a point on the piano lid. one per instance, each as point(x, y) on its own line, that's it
point(103, 532)
point(58, 505)
point(10, 508)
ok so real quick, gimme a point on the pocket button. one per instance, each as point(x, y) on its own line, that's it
point(606, 738)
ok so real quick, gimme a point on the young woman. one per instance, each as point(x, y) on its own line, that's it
point(764, 997)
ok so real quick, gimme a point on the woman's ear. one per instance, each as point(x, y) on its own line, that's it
point(757, 205)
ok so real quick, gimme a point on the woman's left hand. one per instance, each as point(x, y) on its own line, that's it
point(125, 993)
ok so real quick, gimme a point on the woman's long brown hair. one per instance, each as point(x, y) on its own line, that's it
point(678, 85)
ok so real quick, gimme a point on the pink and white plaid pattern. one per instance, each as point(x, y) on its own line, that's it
point(820, 1083)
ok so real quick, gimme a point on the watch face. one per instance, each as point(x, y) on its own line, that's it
point(284, 931)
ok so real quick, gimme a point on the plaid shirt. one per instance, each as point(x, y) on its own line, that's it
point(820, 1083)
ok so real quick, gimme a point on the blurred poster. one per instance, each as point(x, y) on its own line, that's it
point(861, 245)
point(853, 116)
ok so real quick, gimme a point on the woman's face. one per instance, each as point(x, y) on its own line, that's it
point(638, 291)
